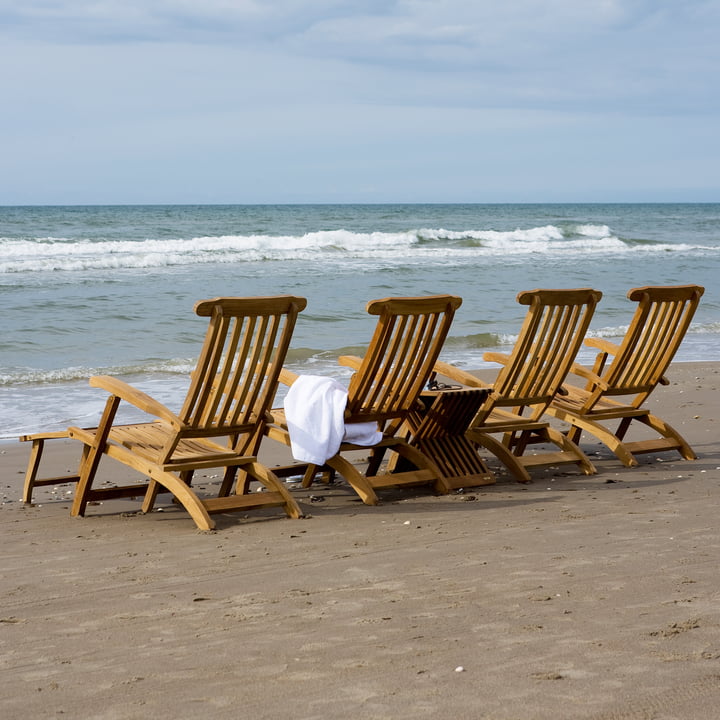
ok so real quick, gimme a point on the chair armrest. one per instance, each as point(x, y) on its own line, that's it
point(287, 377)
point(602, 344)
point(589, 375)
point(351, 361)
point(135, 397)
point(458, 375)
point(496, 357)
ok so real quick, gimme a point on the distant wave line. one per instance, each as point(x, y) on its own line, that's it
point(58, 254)
point(302, 360)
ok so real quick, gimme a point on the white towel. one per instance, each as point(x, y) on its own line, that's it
point(315, 414)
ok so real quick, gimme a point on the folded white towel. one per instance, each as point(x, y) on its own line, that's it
point(315, 414)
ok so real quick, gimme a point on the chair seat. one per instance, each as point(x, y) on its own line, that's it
point(605, 408)
point(149, 439)
point(500, 421)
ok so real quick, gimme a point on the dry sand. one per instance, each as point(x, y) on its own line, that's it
point(574, 597)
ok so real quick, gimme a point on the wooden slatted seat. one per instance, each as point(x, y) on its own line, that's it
point(219, 426)
point(384, 388)
point(551, 335)
point(632, 369)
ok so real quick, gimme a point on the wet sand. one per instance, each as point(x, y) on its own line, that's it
point(574, 597)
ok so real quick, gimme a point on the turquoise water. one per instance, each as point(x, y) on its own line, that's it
point(88, 290)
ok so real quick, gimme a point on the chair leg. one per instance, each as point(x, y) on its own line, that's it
point(184, 494)
point(91, 457)
point(573, 452)
point(519, 442)
point(309, 475)
point(376, 457)
point(677, 441)
point(624, 450)
point(502, 453)
point(420, 460)
point(88, 469)
point(32, 469)
point(573, 434)
point(274, 484)
point(605, 436)
point(357, 480)
point(229, 477)
point(34, 461)
point(153, 490)
point(623, 427)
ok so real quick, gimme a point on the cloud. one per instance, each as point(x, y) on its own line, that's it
point(526, 53)
point(313, 99)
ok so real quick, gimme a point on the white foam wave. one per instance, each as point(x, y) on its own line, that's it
point(596, 231)
point(497, 238)
point(33, 376)
point(712, 328)
point(59, 254)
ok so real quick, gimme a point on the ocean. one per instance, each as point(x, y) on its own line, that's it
point(110, 290)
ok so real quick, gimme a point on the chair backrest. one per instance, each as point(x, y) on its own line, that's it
point(408, 338)
point(551, 335)
point(236, 377)
point(658, 327)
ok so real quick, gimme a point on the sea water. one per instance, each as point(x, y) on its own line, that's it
point(110, 290)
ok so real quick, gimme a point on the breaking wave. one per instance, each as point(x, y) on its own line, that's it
point(51, 254)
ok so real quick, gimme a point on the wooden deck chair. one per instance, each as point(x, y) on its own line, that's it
point(384, 388)
point(636, 367)
point(224, 414)
point(551, 335)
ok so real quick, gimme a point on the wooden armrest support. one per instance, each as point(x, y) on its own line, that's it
point(602, 344)
point(52, 435)
point(459, 375)
point(589, 375)
point(287, 377)
point(135, 397)
point(500, 358)
point(351, 361)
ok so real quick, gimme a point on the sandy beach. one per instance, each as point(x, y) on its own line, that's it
point(573, 597)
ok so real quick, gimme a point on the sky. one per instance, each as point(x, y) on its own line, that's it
point(342, 101)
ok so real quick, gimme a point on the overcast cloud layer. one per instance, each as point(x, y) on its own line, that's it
point(321, 101)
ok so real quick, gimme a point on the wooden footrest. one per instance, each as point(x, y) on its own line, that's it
point(655, 445)
point(469, 481)
point(412, 477)
point(549, 458)
point(58, 480)
point(243, 502)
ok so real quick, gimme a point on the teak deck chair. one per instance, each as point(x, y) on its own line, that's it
point(551, 335)
point(638, 364)
point(384, 388)
point(219, 426)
